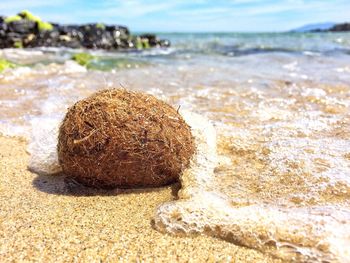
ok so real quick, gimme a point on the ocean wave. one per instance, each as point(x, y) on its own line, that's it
point(240, 44)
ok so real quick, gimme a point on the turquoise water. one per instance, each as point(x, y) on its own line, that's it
point(280, 106)
point(211, 45)
point(237, 44)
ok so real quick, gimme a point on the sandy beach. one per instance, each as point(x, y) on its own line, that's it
point(245, 105)
point(44, 219)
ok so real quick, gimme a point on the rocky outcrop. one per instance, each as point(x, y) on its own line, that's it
point(26, 30)
point(340, 27)
point(344, 27)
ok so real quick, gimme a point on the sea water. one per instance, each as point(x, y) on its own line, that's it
point(271, 115)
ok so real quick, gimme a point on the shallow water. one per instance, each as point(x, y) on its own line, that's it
point(280, 107)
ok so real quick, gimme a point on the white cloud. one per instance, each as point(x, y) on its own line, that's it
point(134, 8)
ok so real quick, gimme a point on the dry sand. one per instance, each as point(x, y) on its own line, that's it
point(45, 219)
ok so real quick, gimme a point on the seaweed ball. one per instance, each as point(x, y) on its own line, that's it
point(121, 138)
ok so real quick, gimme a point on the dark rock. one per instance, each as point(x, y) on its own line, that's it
point(96, 37)
point(119, 31)
point(45, 39)
point(164, 43)
point(23, 26)
point(340, 27)
point(344, 27)
point(11, 40)
point(3, 27)
point(120, 35)
point(72, 30)
point(152, 39)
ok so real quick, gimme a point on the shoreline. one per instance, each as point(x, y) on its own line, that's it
point(41, 221)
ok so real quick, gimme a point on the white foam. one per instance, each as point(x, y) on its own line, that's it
point(316, 233)
point(299, 233)
point(205, 159)
point(43, 145)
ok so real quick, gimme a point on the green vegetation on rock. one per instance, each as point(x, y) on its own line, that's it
point(83, 59)
point(29, 16)
point(139, 43)
point(10, 19)
point(18, 44)
point(105, 63)
point(4, 64)
point(100, 25)
point(142, 43)
point(145, 43)
point(44, 26)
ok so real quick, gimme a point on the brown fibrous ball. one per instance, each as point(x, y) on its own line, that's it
point(119, 138)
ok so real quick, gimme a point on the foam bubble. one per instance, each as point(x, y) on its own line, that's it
point(43, 145)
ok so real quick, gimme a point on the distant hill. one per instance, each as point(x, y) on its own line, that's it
point(313, 27)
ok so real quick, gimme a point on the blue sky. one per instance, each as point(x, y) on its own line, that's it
point(182, 15)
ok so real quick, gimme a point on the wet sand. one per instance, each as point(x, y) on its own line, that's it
point(45, 219)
